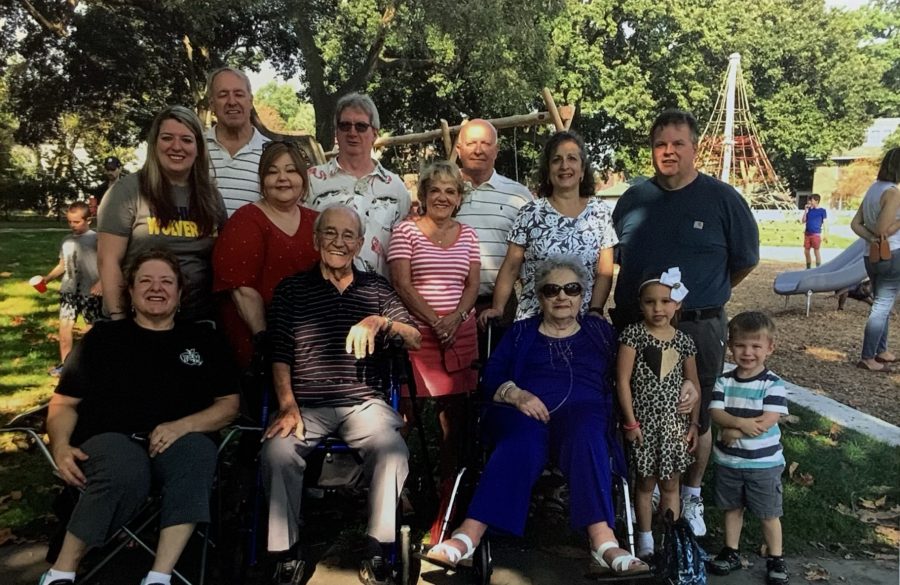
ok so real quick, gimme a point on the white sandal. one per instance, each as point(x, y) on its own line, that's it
point(448, 556)
point(624, 564)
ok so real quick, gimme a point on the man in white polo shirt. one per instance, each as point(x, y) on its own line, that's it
point(234, 144)
point(355, 179)
point(490, 206)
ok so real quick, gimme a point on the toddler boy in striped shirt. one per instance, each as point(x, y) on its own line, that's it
point(746, 405)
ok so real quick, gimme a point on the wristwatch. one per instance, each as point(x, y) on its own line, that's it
point(388, 324)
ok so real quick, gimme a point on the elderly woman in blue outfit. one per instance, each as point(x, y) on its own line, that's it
point(550, 382)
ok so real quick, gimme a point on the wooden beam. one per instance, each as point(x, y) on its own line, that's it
point(448, 140)
point(533, 119)
point(551, 107)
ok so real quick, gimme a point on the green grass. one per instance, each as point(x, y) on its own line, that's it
point(28, 320)
point(846, 467)
point(790, 234)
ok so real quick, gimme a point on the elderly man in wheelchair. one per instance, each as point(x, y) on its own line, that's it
point(325, 326)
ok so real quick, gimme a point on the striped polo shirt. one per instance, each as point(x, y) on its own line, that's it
point(491, 209)
point(750, 399)
point(438, 274)
point(236, 177)
point(308, 322)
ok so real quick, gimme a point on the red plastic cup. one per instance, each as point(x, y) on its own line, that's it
point(38, 283)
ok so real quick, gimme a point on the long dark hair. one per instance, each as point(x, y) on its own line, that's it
point(545, 188)
point(203, 203)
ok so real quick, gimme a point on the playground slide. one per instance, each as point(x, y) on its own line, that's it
point(847, 269)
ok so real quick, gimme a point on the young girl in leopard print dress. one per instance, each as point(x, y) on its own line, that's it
point(654, 360)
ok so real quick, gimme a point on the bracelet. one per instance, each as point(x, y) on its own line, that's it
point(388, 324)
point(464, 315)
point(631, 427)
point(504, 390)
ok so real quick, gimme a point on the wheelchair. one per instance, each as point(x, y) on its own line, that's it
point(479, 568)
point(330, 489)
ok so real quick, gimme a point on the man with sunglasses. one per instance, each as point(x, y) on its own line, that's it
point(355, 179)
point(234, 144)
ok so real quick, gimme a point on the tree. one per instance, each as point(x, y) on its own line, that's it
point(296, 116)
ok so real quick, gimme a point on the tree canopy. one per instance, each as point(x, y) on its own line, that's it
point(816, 76)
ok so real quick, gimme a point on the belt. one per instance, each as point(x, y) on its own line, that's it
point(701, 314)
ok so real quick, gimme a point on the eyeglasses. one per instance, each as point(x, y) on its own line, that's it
point(572, 289)
point(330, 235)
point(360, 127)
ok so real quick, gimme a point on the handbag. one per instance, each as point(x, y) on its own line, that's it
point(879, 250)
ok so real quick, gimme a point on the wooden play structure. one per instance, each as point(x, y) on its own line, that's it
point(731, 149)
point(559, 117)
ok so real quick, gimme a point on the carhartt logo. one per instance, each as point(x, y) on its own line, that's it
point(191, 357)
point(698, 225)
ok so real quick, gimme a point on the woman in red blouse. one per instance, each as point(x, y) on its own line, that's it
point(262, 243)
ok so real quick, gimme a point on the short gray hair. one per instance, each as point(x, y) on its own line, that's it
point(220, 70)
point(358, 101)
point(336, 206)
point(557, 262)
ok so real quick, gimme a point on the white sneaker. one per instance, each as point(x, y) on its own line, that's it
point(692, 511)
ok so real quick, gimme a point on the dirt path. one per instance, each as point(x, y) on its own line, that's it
point(819, 352)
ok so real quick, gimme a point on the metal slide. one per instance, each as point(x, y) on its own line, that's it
point(847, 269)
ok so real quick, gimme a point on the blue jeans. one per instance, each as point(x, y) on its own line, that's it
point(885, 278)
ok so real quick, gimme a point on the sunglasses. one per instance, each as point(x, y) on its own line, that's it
point(572, 289)
point(360, 127)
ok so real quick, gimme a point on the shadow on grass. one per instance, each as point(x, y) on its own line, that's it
point(835, 466)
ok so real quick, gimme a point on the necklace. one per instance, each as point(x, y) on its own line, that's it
point(558, 333)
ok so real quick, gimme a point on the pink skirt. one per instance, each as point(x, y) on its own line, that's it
point(445, 371)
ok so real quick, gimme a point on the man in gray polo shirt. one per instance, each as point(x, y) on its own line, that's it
point(234, 144)
point(490, 204)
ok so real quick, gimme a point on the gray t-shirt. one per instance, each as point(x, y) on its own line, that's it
point(79, 255)
point(124, 212)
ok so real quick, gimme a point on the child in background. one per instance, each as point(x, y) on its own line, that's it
point(654, 360)
point(814, 218)
point(79, 293)
point(746, 405)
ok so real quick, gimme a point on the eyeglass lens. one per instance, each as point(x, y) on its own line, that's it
point(572, 289)
point(359, 126)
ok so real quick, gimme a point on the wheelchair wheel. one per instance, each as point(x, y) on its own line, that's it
point(482, 566)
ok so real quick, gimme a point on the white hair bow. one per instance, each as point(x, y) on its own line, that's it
point(672, 279)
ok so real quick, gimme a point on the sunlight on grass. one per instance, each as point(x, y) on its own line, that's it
point(826, 354)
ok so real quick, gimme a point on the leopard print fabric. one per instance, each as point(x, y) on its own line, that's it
point(655, 396)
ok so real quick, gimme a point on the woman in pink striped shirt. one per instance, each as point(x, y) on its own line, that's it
point(435, 263)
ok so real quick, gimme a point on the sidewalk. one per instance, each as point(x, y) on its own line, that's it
point(23, 565)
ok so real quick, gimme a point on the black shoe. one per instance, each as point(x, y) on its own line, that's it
point(726, 561)
point(776, 571)
point(289, 572)
point(375, 571)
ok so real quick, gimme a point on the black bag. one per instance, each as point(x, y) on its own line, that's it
point(681, 560)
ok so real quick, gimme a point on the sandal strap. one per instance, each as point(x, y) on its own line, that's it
point(598, 553)
point(451, 553)
point(622, 563)
point(464, 538)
